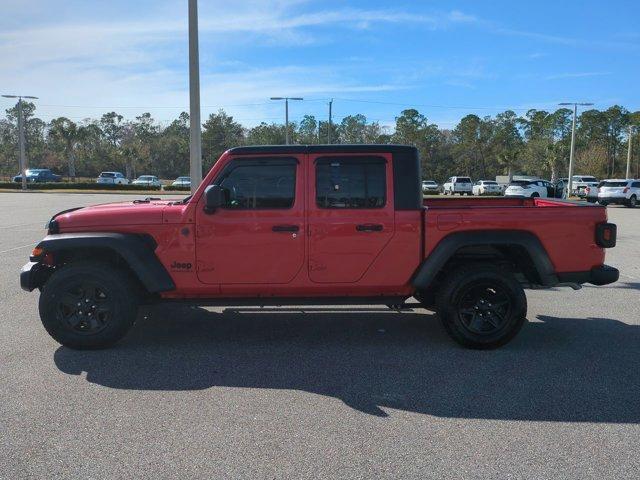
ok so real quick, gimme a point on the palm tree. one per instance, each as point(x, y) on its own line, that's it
point(69, 134)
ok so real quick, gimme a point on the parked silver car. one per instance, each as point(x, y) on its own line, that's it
point(621, 192)
point(112, 178)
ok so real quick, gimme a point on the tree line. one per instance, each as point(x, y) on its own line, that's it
point(536, 143)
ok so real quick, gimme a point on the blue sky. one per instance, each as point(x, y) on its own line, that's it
point(83, 58)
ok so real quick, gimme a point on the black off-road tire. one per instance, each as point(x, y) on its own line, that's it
point(89, 305)
point(481, 306)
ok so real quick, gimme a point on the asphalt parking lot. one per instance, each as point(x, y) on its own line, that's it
point(284, 393)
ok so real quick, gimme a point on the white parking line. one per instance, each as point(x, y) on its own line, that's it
point(17, 248)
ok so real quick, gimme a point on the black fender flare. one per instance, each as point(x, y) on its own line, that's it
point(449, 245)
point(136, 250)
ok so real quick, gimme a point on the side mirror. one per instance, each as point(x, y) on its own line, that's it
point(214, 198)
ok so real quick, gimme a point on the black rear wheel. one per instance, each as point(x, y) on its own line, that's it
point(481, 306)
point(88, 305)
point(633, 201)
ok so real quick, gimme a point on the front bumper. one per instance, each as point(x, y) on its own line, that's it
point(33, 275)
point(602, 275)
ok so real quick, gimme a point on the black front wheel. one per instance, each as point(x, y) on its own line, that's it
point(88, 305)
point(481, 306)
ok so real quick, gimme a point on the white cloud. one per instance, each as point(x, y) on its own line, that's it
point(560, 76)
point(120, 62)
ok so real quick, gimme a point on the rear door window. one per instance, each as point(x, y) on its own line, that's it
point(351, 182)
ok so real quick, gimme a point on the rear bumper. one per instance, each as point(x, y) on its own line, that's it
point(602, 275)
point(615, 200)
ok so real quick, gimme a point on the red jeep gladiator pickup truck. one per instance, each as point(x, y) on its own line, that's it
point(325, 224)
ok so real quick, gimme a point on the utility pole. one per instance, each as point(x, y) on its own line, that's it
point(21, 147)
point(195, 145)
point(629, 152)
point(329, 129)
point(286, 114)
point(573, 142)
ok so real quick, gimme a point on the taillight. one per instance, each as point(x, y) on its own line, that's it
point(606, 234)
point(587, 190)
point(626, 189)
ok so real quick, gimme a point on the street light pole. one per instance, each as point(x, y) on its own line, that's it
point(195, 137)
point(628, 175)
point(286, 114)
point(286, 121)
point(573, 142)
point(329, 129)
point(21, 147)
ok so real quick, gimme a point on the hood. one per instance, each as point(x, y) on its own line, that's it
point(137, 212)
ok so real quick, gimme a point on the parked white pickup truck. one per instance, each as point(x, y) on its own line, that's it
point(461, 185)
point(579, 183)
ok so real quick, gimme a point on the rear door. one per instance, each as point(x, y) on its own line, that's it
point(257, 237)
point(350, 214)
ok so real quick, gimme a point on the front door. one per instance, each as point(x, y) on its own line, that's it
point(351, 214)
point(257, 237)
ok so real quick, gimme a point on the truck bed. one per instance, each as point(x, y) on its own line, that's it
point(472, 202)
point(567, 231)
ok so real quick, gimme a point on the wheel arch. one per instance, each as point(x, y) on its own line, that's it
point(522, 248)
point(135, 251)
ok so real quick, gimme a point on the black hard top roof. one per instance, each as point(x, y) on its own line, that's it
point(338, 148)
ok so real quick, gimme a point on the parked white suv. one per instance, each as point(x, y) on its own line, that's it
point(113, 178)
point(621, 192)
point(461, 185)
point(486, 187)
point(529, 188)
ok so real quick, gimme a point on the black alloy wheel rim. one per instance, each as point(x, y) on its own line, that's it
point(85, 308)
point(484, 309)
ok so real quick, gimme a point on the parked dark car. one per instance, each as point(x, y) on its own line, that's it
point(38, 175)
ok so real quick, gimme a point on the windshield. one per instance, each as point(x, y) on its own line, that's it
point(107, 175)
point(429, 182)
point(614, 184)
point(145, 178)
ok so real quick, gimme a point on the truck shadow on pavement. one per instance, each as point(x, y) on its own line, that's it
point(557, 369)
